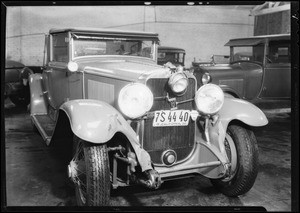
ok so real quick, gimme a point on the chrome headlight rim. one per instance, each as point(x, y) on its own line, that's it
point(136, 91)
point(72, 66)
point(214, 99)
point(206, 78)
point(174, 81)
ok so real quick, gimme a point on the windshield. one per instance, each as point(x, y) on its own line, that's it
point(164, 57)
point(248, 53)
point(174, 58)
point(95, 46)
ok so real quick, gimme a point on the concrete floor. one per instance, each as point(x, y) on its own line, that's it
point(35, 175)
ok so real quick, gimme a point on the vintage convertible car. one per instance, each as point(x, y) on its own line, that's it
point(259, 71)
point(128, 120)
point(16, 82)
point(173, 55)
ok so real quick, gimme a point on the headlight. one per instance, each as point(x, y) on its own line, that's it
point(72, 66)
point(206, 78)
point(178, 83)
point(209, 99)
point(135, 100)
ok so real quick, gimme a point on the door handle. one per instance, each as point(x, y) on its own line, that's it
point(48, 71)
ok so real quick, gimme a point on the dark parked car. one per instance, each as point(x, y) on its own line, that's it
point(126, 120)
point(173, 55)
point(259, 70)
point(16, 82)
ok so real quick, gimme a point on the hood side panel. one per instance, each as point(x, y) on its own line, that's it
point(103, 88)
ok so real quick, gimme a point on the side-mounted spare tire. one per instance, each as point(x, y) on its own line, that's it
point(242, 150)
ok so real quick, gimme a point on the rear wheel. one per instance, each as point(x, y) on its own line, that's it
point(89, 169)
point(21, 99)
point(242, 151)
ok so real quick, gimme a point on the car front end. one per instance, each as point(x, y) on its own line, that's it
point(131, 121)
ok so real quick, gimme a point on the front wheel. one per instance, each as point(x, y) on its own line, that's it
point(242, 151)
point(89, 170)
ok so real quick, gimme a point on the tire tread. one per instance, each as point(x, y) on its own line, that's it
point(248, 166)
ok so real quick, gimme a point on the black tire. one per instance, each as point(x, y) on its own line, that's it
point(93, 162)
point(243, 177)
point(22, 99)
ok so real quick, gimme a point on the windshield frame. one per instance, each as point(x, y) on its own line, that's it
point(233, 52)
point(178, 55)
point(153, 46)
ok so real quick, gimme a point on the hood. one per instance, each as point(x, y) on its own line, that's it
point(242, 66)
point(228, 71)
point(123, 68)
point(218, 67)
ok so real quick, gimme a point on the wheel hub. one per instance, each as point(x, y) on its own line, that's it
point(72, 170)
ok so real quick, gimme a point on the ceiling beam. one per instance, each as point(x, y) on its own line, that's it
point(271, 8)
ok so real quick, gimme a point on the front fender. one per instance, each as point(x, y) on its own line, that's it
point(237, 109)
point(229, 90)
point(38, 104)
point(97, 122)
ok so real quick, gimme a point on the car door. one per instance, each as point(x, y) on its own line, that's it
point(277, 73)
point(55, 75)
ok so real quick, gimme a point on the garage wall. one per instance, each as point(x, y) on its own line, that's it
point(200, 30)
point(273, 23)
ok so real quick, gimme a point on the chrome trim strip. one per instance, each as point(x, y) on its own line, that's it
point(109, 75)
point(83, 84)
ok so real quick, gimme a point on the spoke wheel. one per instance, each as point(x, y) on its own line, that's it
point(242, 151)
point(89, 170)
point(232, 156)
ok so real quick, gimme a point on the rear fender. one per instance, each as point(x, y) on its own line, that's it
point(38, 103)
point(97, 122)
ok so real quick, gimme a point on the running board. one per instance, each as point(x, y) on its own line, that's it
point(45, 126)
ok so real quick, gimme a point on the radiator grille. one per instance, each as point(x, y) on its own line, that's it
point(178, 138)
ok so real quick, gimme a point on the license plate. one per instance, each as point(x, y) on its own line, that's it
point(171, 118)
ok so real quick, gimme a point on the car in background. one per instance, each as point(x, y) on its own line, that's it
point(174, 55)
point(259, 71)
point(215, 60)
point(16, 82)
